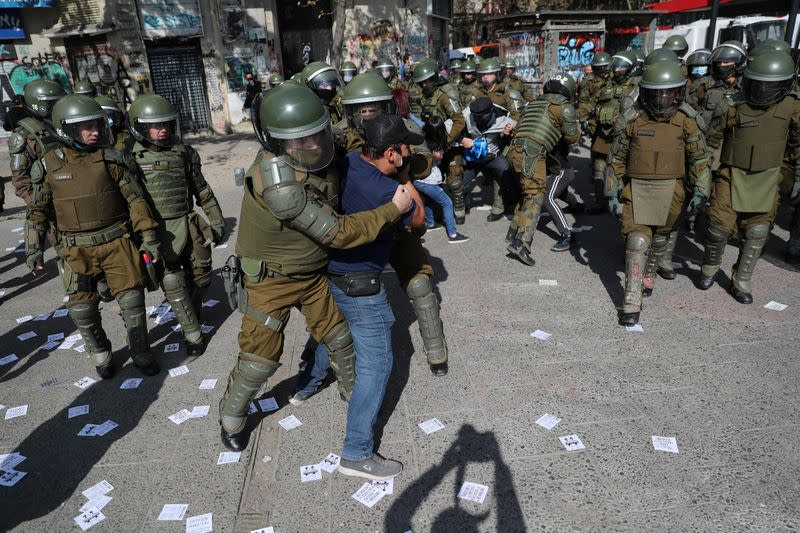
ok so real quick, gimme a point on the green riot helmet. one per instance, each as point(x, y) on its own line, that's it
point(678, 44)
point(426, 75)
point(699, 62)
point(639, 67)
point(323, 79)
point(81, 123)
point(41, 95)
point(601, 64)
point(296, 127)
point(768, 79)
point(455, 65)
point(478, 59)
point(660, 54)
point(365, 97)
point(275, 80)
point(467, 72)
point(386, 69)
point(348, 71)
point(771, 45)
point(563, 84)
point(727, 60)
point(86, 88)
point(511, 66)
point(661, 89)
point(489, 72)
point(622, 64)
point(153, 120)
point(115, 114)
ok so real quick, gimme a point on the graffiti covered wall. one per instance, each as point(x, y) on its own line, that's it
point(170, 18)
point(16, 72)
point(527, 50)
point(576, 51)
point(364, 48)
point(103, 66)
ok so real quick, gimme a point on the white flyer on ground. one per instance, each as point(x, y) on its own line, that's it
point(99, 489)
point(78, 411)
point(206, 329)
point(105, 427)
point(310, 473)
point(181, 416)
point(74, 338)
point(173, 511)
point(431, 426)
point(548, 421)
point(67, 344)
point(199, 411)
point(269, 529)
point(84, 382)
point(172, 347)
point(178, 370)
point(50, 345)
point(9, 478)
point(55, 337)
point(208, 384)
point(210, 303)
point(88, 431)
point(200, 524)
point(81, 348)
point(548, 282)
point(221, 246)
point(10, 460)
point(665, 444)
point(541, 335)
point(27, 335)
point(229, 457)
point(14, 412)
point(42, 317)
point(330, 463)
point(58, 313)
point(8, 359)
point(386, 486)
point(131, 383)
point(25, 318)
point(474, 492)
point(99, 501)
point(252, 409)
point(636, 328)
point(775, 306)
point(290, 422)
point(89, 517)
point(268, 404)
point(572, 443)
point(368, 495)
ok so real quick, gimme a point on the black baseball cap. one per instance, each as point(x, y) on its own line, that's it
point(386, 130)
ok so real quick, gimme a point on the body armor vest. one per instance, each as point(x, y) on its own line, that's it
point(609, 103)
point(535, 123)
point(466, 92)
point(264, 237)
point(45, 139)
point(716, 102)
point(85, 197)
point(657, 150)
point(165, 179)
point(430, 105)
point(758, 139)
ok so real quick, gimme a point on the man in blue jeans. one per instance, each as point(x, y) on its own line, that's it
point(430, 188)
point(354, 279)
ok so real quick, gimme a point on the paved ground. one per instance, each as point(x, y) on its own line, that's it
point(718, 376)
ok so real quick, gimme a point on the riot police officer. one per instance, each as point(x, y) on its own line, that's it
point(34, 135)
point(755, 135)
point(700, 80)
point(348, 71)
point(287, 225)
point(466, 85)
point(453, 72)
point(323, 79)
point(513, 82)
point(646, 166)
point(678, 44)
point(490, 85)
point(388, 71)
point(173, 179)
point(117, 123)
point(442, 100)
point(543, 123)
point(275, 80)
point(590, 90)
point(86, 88)
point(97, 203)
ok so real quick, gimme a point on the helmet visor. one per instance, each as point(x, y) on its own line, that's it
point(43, 107)
point(467, 77)
point(661, 102)
point(387, 73)
point(698, 71)
point(429, 85)
point(115, 119)
point(311, 152)
point(326, 85)
point(88, 132)
point(348, 75)
point(162, 132)
point(765, 93)
point(601, 70)
point(358, 113)
point(620, 67)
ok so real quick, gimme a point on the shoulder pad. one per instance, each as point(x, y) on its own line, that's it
point(190, 153)
point(687, 110)
point(554, 98)
point(16, 142)
point(275, 171)
point(37, 171)
point(568, 112)
point(627, 115)
point(122, 158)
point(452, 94)
point(30, 125)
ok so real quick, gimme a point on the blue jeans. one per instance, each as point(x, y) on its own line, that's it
point(437, 194)
point(370, 319)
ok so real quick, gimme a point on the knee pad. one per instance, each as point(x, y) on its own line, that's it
point(339, 338)
point(173, 282)
point(131, 299)
point(419, 287)
point(757, 231)
point(84, 310)
point(716, 235)
point(637, 242)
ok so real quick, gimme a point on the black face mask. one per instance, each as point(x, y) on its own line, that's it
point(485, 120)
point(722, 72)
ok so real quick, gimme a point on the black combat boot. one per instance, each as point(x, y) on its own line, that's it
point(491, 217)
point(518, 251)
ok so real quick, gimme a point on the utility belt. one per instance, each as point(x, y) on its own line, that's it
point(96, 238)
point(365, 283)
point(235, 271)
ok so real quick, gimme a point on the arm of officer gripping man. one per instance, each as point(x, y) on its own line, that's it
point(570, 129)
point(452, 110)
point(204, 196)
point(21, 161)
point(617, 159)
point(297, 208)
point(36, 219)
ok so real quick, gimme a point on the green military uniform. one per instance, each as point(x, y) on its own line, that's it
point(699, 79)
point(513, 82)
point(94, 198)
point(466, 85)
point(543, 123)
point(173, 179)
point(591, 87)
point(33, 136)
point(408, 257)
point(646, 168)
point(443, 101)
point(756, 135)
point(287, 225)
point(496, 89)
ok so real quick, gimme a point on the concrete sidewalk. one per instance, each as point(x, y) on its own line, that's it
point(718, 376)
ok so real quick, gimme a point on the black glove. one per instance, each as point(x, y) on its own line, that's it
point(693, 207)
point(153, 247)
point(218, 233)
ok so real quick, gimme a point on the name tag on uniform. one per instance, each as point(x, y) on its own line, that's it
point(161, 165)
point(646, 133)
point(62, 177)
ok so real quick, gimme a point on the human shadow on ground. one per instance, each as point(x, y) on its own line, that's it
point(471, 446)
point(26, 281)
